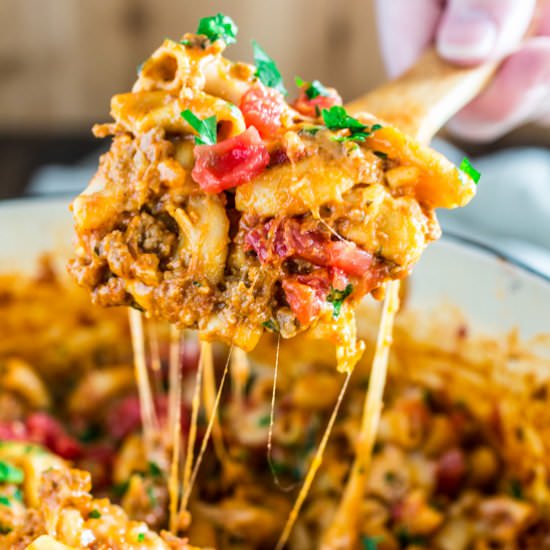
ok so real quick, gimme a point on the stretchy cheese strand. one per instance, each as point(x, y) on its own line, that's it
point(174, 421)
point(343, 530)
point(148, 417)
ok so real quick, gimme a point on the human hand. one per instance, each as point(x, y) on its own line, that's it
point(469, 32)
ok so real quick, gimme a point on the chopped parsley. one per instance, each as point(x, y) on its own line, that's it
point(469, 170)
point(90, 433)
point(311, 130)
point(206, 129)
point(337, 118)
point(337, 297)
point(10, 474)
point(515, 489)
point(4, 500)
point(94, 514)
point(141, 537)
point(18, 495)
point(218, 26)
point(4, 529)
point(271, 325)
point(266, 70)
point(314, 89)
point(264, 421)
point(279, 468)
point(371, 543)
point(381, 154)
point(120, 489)
point(154, 469)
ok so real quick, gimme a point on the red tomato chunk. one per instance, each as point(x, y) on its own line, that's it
point(231, 162)
point(262, 108)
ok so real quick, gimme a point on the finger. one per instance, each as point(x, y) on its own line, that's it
point(473, 31)
point(519, 93)
point(405, 27)
point(543, 19)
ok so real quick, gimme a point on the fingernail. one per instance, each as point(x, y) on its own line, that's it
point(467, 37)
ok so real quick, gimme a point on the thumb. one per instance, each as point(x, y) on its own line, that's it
point(474, 31)
point(405, 28)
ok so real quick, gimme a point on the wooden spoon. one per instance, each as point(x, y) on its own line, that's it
point(419, 103)
point(424, 98)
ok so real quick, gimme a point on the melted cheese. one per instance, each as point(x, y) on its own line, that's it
point(174, 422)
point(188, 489)
point(148, 416)
point(313, 468)
point(343, 530)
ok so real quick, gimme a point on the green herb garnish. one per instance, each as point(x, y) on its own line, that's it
point(337, 297)
point(371, 543)
point(4, 500)
point(266, 70)
point(4, 529)
point(381, 154)
point(314, 89)
point(154, 469)
point(141, 537)
point(264, 421)
point(206, 129)
point(90, 433)
point(10, 474)
point(337, 118)
point(311, 130)
point(271, 325)
point(18, 495)
point(469, 170)
point(120, 488)
point(94, 514)
point(218, 26)
point(515, 489)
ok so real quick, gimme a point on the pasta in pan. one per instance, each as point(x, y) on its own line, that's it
point(461, 457)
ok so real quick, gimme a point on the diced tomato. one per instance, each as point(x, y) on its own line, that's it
point(13, 431)
point(312, 107)
point(451, 469)
point(47, 431)
point(231, 162)
point(349, 258)
point(125, 416)
point(262, 108)
point(287, 239)
point(305, 301)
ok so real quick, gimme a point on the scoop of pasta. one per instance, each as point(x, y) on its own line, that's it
point(222, 207)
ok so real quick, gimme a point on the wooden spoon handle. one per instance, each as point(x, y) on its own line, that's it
point(424, 98)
